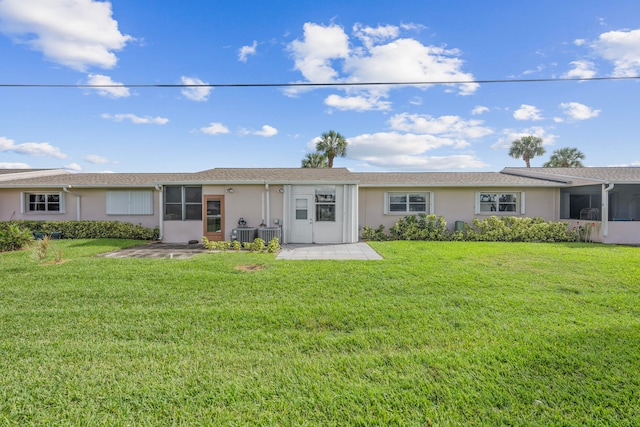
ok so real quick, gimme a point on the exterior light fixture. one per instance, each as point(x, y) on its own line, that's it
point(281, 190)
point(230, 190)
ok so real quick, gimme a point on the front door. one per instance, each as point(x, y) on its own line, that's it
point(214, 218)
point(302, 229)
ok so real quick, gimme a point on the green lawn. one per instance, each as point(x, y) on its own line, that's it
point(443, 333)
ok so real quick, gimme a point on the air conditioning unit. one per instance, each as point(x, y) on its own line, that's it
point(244, 234)
point(268, 233)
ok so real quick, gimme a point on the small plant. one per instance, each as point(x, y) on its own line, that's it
point(258, 245)
point(377, 234)
point(223, 245)
point(208, 244)
point(247, 245)
point(273, 246)
point(41, 250)
point(58, 256)
point(236, 246)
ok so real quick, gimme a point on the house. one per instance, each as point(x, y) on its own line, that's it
point(324, 205)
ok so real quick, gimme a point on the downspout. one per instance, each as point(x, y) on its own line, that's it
point(66, 190)
point(160, 215)
point(605, 208)
point(266, 188)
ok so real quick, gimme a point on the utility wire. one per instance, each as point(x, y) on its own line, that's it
point(310, 84)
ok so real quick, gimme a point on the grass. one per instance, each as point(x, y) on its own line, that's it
point(442, 333)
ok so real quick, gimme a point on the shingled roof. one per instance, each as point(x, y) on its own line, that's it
point(581, 176)
point(508, 177)
point(448, 179)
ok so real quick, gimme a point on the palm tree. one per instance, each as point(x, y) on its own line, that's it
point(332, 144)
point(565, 158)
point(526, 148)
point(314, 160)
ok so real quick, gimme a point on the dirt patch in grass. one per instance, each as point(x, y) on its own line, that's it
point(250, 267)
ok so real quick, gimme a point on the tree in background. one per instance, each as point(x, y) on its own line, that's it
point(315, 160)
point(331, 145)
point(565, 158)
point(526, 148)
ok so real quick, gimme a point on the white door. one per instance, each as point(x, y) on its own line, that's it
point(302, 219)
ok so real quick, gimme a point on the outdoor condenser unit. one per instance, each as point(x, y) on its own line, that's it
point(268, 233)
point(244, 234)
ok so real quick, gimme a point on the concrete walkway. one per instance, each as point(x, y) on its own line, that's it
point(354, 251)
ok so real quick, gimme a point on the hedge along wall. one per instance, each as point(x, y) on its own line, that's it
point(88, 229)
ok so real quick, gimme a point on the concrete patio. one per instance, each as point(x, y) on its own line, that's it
point(351, 251)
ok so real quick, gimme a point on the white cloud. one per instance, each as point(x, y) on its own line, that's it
point(392, 150)
point(408, 60)
point(245, 51)
point(375, 54)
point(416, 100)
point(321, 45)
point(479, 109)
point(448, 126)
point(577, 111)
point(214, 129)
point(75, 33)
point(422, 163)
point(73, 167)
point(31, 148)
point(116, 90)
point(579, 42)
point(266, 131)
point(9, 165)
point(371, 36)
point(196, 93)
point(581, 70)
point(357, 103)
point(135, 119)
point(623, 49)
point(527, 112)
point(96, 159)
point(510, 135)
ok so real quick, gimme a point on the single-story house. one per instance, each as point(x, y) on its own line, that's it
point(324, 205)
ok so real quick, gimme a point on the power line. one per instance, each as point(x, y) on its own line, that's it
point(309, 84)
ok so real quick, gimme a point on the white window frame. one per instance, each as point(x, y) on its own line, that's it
point(24, 202)
point(520, 202)
point(428, 195)
point(130, 202)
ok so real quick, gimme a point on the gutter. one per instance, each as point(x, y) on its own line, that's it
point(78, 210)
point(160, 212)
point(605, 208)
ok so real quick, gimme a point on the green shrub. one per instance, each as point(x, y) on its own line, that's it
point(236, 246)
point(88, 229)
point(377, 234)
point(258, 245)
point(14, 237)
point(515, 229)
point(421, 227)
point(273, 246)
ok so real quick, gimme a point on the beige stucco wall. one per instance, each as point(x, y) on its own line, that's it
point(623, 232)
point(454, 204)
point(93, 206)
point(246, 201)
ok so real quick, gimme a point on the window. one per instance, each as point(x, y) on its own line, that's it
point(406, 203)
point(326, 204)
point(500, 203)
point(182, 203)
point(135, 202)
point(43, 202)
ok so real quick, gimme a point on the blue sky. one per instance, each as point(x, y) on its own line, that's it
point(453, 127)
